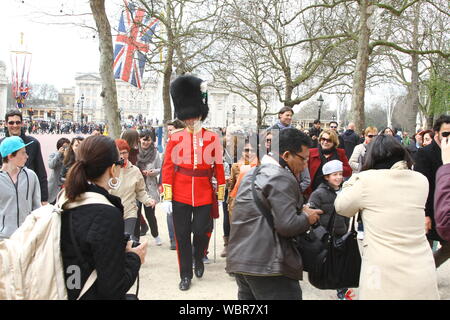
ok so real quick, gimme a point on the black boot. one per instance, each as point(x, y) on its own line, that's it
point(199, 269)
point(185, 284)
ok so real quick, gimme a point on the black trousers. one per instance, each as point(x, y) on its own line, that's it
point(187, 220)
point(267, 288)
point(226, 216)
point(151, 218)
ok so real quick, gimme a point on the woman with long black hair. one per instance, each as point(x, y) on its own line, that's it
point(92, 235)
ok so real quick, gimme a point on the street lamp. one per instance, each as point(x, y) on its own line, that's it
point(320, 106)
point(333, 117)
point(82, 102)
point(234, 114)
point(78, 108)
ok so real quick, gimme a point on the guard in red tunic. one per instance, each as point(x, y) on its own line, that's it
point(193, 156)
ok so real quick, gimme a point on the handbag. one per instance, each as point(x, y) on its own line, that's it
point(338, 264)
point(311, 244)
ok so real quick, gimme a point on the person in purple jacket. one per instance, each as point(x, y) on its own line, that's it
point(442, 195)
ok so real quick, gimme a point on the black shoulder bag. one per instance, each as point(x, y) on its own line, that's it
point(338, 265)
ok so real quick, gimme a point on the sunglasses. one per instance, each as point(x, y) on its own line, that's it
point(11, 123)
point(248, 150)
point(333, 127)
point(371, 135)
point(302, 158)
point(326, 140)
point(268, 140)
point(446, 134)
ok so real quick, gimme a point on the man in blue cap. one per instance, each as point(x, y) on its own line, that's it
point(20, 193)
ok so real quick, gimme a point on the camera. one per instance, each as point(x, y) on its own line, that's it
point(128, 237)
point(120, 162)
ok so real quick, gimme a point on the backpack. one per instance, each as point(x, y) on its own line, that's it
point(31, 266)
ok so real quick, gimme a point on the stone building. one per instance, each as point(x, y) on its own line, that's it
point(131, 100)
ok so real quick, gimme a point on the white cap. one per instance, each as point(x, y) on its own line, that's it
point(332, 167)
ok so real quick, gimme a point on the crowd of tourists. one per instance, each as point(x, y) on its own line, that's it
point(274, 186)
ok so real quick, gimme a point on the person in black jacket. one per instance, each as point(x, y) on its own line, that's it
point(428, 161)
point(323, 198)
point(314, 133)
point(98, 229)
point(334, 126)
point(15, 127)
point(351, 139)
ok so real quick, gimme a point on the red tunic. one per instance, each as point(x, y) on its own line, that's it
point(200, 152)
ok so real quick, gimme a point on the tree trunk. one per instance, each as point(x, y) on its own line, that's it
point(168, 66)
point(429, 121)
point(166, 85)
point(289, 89)
point(258, 110)
point(362, 64)
point(109, 91)
point(413, 88)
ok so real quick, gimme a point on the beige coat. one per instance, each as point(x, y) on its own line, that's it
point(360, 150)
point(132, 188)
point(397, 262)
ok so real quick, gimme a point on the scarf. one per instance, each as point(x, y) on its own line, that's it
point(282, 126)
point(326, 151)
point(318, 178)
point(145, 156)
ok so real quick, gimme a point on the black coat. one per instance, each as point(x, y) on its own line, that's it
point(99, 231)
point(351, 140)
point(412, 149)
point(315, 132)
point(428, 160)
point(34, 162)
point(323, 198)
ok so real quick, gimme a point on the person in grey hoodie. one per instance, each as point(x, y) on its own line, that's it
point(55, 163)
point(21, 192)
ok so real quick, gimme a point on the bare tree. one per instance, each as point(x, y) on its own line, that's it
point(366, 45)
point(244, 69)
point(184, 41)
point(422, 28)
point(307, 45)
point(109, 91)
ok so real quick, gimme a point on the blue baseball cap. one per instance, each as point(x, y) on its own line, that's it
point(12, 144)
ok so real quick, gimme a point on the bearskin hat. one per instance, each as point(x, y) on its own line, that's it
point(189, 98)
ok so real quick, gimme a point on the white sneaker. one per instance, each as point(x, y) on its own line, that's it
point(158, 241)
point(360, 235)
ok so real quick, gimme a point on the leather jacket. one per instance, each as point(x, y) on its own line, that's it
point(253, 247)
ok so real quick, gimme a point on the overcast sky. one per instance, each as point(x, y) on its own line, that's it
point(58, 51)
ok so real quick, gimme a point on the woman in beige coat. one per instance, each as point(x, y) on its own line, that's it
point(131, 187)
point(397, 260)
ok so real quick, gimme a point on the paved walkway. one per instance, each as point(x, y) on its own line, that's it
point(160, 277)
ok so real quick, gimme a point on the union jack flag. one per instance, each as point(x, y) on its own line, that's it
point(136, 30)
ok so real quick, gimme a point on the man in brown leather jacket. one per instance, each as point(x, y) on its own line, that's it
point(265, 261)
